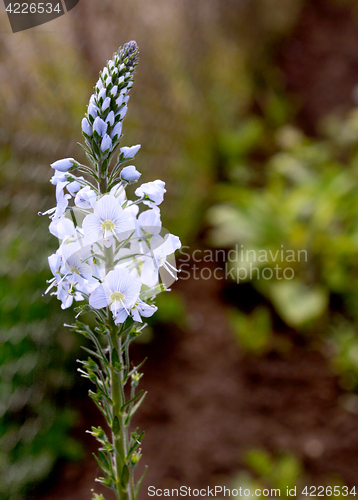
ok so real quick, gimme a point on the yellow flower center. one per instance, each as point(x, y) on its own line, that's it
point(116, 296)
point(108, 225)
point(74, 270)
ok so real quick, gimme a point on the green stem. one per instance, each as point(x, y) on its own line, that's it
point(120, 440)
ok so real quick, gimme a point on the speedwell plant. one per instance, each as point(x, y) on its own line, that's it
point(114, 257)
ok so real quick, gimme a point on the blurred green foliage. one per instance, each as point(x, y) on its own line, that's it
point(243, 325)
point(282, 476)
point(37, 356)
point(300, 215)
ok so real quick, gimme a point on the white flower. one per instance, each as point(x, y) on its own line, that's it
point(62, 228)
point(63, 165)
point(150, 221)
point(62, 200)
point(74, 186)
point(161, 253)
point(108, 219)
point(85, 198)
point(65, 286)
point(58, 177)
point(152, 192)
point(130, 152)
point(120, 291)
point(130, 174)
point(146, 267)
point(76, 269)
point(119, 192)
point(140, 308)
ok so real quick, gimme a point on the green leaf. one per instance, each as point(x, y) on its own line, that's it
point(297, 303)
point(139, 484)
point(103, 462)
point(125, 476)
point(135, 407)
point(116, 427)
point(115, 357)
point(132, 400)
point(137, 441)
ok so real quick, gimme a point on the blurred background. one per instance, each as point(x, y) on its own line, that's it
point(248, 110)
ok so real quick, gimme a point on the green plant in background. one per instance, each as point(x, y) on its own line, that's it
point(282, 476)
point(296, 235)
point(259, 321)
point(269, 477)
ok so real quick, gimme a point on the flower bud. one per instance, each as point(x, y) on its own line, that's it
point(130, 152)
point(92, 110)
point(63, 165)
point(106, 143)
point(114, 91)
point(86, 127)
point(110, 119)
point(116, 132)
point(106, 104)
point(100, 126)
point(130, 174)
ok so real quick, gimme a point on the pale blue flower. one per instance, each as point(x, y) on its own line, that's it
point(58, 177)
point(120, 291)
point(130, 152)
point(130, 174)
point(108, 219)
point(63, 165)
point(100, 126)
point(140, 308)
point(152, 192)
point(85, 198)
point(74, 186)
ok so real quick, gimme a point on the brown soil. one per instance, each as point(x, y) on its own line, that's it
point(320, 60)
point(208, 403)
